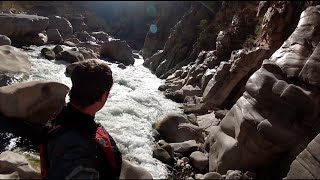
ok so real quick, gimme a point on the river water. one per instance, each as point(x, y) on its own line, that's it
point(134, 104)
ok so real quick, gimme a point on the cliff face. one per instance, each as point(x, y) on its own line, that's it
point(261, 61)
point(215, 47)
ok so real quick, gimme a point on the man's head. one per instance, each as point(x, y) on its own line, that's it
point(91, 83)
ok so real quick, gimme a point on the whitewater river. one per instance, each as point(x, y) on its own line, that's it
point(133, 105)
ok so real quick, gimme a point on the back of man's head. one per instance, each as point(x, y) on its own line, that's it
point(90, 79)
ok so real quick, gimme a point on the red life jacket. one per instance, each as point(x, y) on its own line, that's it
point(101, 138)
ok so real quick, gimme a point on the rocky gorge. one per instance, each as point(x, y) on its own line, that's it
point(247, 75)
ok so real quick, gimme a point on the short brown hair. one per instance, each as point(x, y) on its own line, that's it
point(90, 79)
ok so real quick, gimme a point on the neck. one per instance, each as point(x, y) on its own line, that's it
point(85, 110)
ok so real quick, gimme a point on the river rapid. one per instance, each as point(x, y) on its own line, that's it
point(134, 104)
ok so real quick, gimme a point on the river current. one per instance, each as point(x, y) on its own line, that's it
point(134, 104)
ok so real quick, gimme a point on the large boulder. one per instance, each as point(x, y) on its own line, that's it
point(35, 39)
point(13, 60)
point(199, 160)
point(307, 163)
point(62, 24)
point(19, 25)
point(171, 132)
point(17, 166)
point(70, 56)
point(131, 171)
point(54, 36)
point(78, 23)
point(4, 40)
point(117, 50)
point(34, 101)
point(278, 113)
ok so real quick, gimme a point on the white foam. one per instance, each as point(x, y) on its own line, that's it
point(134, 104)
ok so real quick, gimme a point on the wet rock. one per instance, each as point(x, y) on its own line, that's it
point(15, 165)
point(41, 99)
point(4, 40)
point(199, 160)
point(136, 56)
point(185, 146)
point(118, 51)
point(48, 53)
point(54, 36)
point(62, 24)
point(19, 25)
point(70, 56)
point(122, 66)
point(163, 156)
point(13, 175)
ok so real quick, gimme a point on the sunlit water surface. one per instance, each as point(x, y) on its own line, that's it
point(134, 104)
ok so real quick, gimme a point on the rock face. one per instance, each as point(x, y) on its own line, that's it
point(307, 163)
point(13, 60)
point(62, 24)
point(34, 101)
point(4, 40)
point(117, 50)
point(278, 112)
point(19, 25)
point(17, 166)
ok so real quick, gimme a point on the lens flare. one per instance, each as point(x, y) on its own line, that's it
point(153, 28)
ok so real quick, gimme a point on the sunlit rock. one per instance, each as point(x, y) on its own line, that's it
point(62, 24)
point(19, 25)
point(16, 166)
point(117, 50)
point(34, 101)
point(278, 113)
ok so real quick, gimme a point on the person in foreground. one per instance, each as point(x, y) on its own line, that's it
point(74, 146)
